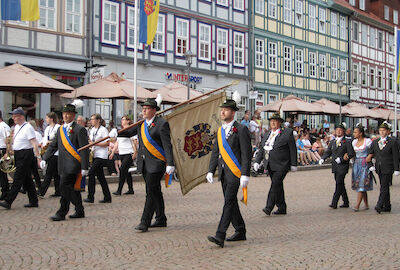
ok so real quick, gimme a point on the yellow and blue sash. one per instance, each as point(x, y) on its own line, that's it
point(80, 182)
point(154, 149)
point(230, 159)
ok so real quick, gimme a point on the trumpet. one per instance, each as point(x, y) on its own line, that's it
point(44, 148)
point(7, 162)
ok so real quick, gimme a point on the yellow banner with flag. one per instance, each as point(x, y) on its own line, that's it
point(193, 130)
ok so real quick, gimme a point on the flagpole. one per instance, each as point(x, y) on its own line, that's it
point(396, 87)
point(137, 3)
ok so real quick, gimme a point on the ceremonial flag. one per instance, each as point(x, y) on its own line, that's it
point(149, 10)
point(193, 130)
point(20, 10)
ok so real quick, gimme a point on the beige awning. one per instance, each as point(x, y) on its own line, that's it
point(292, 103)
point(176, 93)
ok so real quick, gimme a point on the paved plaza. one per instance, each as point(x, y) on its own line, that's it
point(311, 236)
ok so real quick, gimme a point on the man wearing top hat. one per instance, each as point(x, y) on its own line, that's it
point(341, 151)
point(70, 137)
point(155, 158)
point(233, 143)
point(279, 154)
point(386, 154)
point(25, 148)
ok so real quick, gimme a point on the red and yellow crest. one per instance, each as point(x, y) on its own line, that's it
point(198, 141)
point(149, 6)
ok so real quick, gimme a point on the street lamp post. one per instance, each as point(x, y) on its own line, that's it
point(188, 56)
point(340, 84)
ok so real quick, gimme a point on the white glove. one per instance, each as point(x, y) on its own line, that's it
point(170, 170)
point(293, 168)
point(210, 178)
point(396, 173)
point(256, 166)
point(84, 172)
point(337, 160)
point(244, 180)
point(321, 161)
point(371, 169)
point(43, 164)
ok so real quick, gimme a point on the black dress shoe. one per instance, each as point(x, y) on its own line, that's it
point(386, 210)
point(89, 200)
point(216, 240)
point(2, 197)
point(141, 227)
point(129, 192)
point(30, 205)
point(378, 209)
point(279, 212)
point(237, 236)
point(57, 218)
point(267, 211)
point(22, 191)
point(158, 224)
point(105, 201)
point(77, 215)
point(333, 206)
point(55, 195)
point(117, 193)
point(344, 206)
point(6, 205)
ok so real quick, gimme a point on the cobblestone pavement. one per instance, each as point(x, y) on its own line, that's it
point(310, 237)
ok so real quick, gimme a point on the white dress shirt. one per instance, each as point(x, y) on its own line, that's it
point(4, 133)
point(97, 134)
point(269, 144)
point(49, 135)
point(227, 127)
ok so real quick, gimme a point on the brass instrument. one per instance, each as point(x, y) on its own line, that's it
point(44, 148)
point(7, 162)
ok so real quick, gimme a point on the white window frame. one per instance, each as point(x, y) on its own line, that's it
point(362, 4)
point(372, 78)
point(204, 46)
point(355, 73)
point(391, 43)
point(334, 24)
point(180, 37)
point(312, 63)
point(238, 5)
point(259, 7)
point(312, 9)
point(298, 17)
point(380, 37)
point(299, 59)
point(287, 11)
point(322, 66)
point(391, 84)
point(222, 45)
point(364, 76)
point(259, 53)
point(238, 49)
point(224, 3)
point(372, 37)
point(44, 14)
point(115, 23)
point(334, 68)
point(272, 9)
point(287, 56)
point(272, 56)
point(386, 12)
point(395, 17)
point(342, 26)
point(355, 32)
point(160, 35)
point(343, 70)
point(130, 26)
point(322, 20)
point(364, 34)
point(352, 2)
point(74, 14)
point(379, 79)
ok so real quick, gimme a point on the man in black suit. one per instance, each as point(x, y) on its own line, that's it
point(153, 165)
point(386, 154)
point(68, 166)
point(279, 154)
point(341, 151)
point(239, 141)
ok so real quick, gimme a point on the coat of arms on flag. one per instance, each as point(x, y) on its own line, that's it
point(149, 6)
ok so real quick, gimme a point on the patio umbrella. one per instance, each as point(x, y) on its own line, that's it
point(329, 107)
point(112, 86)
point(358, 110)
point(18, 78)
point(385, 113)
point(292, 104)
point(176, 92)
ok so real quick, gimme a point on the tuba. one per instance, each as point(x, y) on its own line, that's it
point(7, 162)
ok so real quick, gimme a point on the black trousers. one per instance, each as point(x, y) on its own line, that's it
point(384, 195)
point(124, 175)
point(23, 177)
point(68, 195)
point(96, 170)
point(231, 212)
point(340, 189)
point(51, 173)
point(3, 177)
point(154, 199)
point(276, 194)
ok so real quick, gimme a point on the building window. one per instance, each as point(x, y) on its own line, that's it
point(110, 22)
point(395, 17)
point(372, 77)
point(182, 36)
point(379, 79)
point(311, 17)
point(238, 49)
point(130, 39)
point(48, 14)
point(238, 4)
point(222, 3)
point(259, 53)
point(287, 59)
point(259, 7)
point(364, 75)
point(343, 27)
point(355, 74)
point(372, 37)
point(364, 34)
point(204, 39)
point(312, 64)
point(386, 12)
point(343, 70)
point(380, 40)
point(299, 61)
point(391, 43)
point(158, 44)
point(352, 2)
point(287, 13)
point(334, 68)
point(299, 13)
point(390, 81)
point(334, 24)
point(271, 8)
point(355, 31)
point(73, 16)
point(272, 55)
point(362, 4)
point(322, 20)
point(222, 46)
point(322, 66)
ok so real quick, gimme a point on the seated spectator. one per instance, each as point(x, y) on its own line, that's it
point(307, 145)
point(318, 147)
point(301, 151)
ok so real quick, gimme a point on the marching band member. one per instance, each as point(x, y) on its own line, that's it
point(4, 133)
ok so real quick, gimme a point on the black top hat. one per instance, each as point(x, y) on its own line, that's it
point(230, 103)
point(152, 103)
point(342, 126)
point(18, 110)
point(385, 125)
point(69, 108)
point(276, 116)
